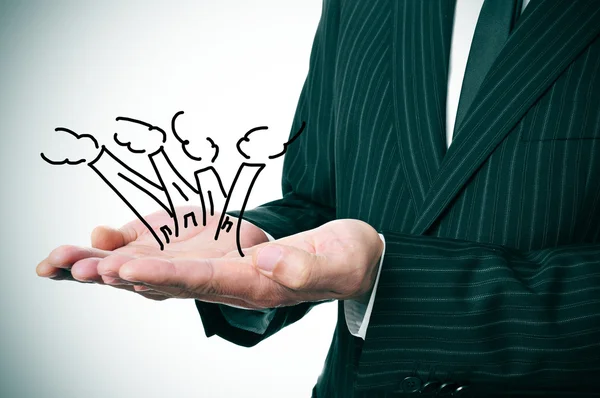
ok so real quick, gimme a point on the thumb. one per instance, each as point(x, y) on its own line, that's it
point(294, 268)
point(107, 238)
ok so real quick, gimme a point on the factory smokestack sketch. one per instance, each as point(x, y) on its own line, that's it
point(168, 185)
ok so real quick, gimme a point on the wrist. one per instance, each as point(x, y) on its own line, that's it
point(375, 269)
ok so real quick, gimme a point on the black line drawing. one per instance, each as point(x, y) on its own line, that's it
point(246, 138)
point(167, 232)
point(224, 218)
point(78, 136)
point(135, 184)
point(150, 127)
point(127, 145)
point(186, 143)
point(212, 205)
point(285, 146)
point(92, 165)
point(213, 145)
point(67, 161)
point(168, 183)
point(227, 224)
point(180, 191)
point(189, 216)
point(210, 174)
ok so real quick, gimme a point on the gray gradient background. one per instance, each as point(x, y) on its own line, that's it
point(231, 65)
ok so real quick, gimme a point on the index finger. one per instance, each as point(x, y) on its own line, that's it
point(63, 258)
point(205, 279)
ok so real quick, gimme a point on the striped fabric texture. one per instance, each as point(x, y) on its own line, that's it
point(491, 276)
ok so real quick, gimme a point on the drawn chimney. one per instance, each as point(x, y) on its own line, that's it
point(241, 187)
point(171, 184)
point(118, 176)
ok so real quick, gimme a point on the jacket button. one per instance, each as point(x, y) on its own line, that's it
point(461, 391)
point(431, 386)
point(410, 384)
point(447, 389)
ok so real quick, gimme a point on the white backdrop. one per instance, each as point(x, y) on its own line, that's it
point(230, 65)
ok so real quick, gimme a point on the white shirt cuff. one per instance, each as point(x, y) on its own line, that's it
point(271, 239)
point(358, 313)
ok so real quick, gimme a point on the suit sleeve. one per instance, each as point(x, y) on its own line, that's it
point(308, 188)
point(500, 319)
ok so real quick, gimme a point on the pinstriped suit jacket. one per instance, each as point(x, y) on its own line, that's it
point(492, 270)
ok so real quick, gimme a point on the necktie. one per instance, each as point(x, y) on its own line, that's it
point(494, 24)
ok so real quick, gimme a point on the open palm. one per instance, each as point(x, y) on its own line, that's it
point(113, 247)
point(337, 260)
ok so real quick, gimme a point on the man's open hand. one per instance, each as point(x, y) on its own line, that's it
point(113, 247)
point(335, 261)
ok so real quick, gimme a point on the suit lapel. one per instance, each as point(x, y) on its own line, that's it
point(549, 35)
point(420, 50)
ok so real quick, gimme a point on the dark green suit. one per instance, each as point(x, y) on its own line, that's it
point(491, 275)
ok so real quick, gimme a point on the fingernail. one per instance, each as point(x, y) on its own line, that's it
point(109, 280)
point(114, 281)
point(268, 257)
point(128, 278)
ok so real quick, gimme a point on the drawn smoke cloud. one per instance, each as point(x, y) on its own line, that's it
point(257, 142)
point(183, 130)
point(139, 137)
point(74, 148)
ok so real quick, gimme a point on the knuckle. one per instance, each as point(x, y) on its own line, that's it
point(361, 282)
point(261, 298)
point(269, 295)
point(298, 283)
point(302, 278)
point(209, 284)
